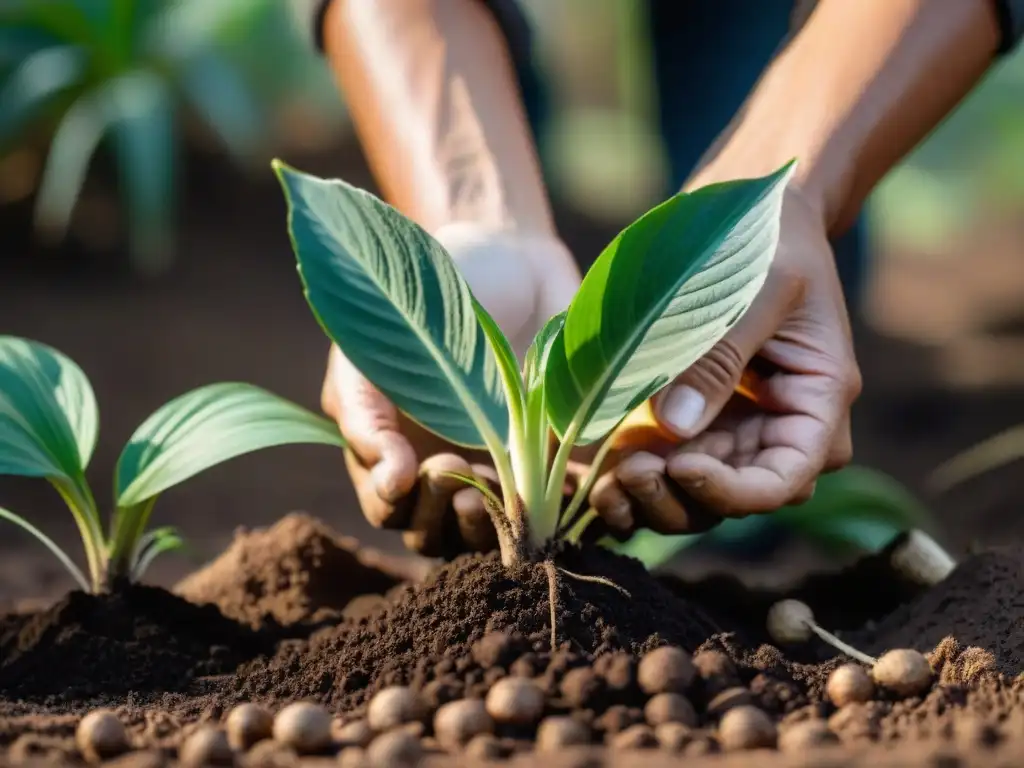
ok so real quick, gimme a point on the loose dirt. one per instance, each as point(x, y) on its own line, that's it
point(279, 633)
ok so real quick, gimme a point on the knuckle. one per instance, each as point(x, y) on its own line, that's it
point(722, 366)
point(853, 382)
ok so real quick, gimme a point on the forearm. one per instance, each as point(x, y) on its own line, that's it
point(859, 86)
point(435, 103)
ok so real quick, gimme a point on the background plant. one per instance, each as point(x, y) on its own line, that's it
point(663, 292)
point(49, 422)
point(120, 74)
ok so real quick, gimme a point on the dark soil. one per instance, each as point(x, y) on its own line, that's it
point(434, 624)
point(166, 664)
point(137, 639)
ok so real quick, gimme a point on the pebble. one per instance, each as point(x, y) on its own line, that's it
point(207, 746)
point(850, 684)
point(484, 746)
point(561, 731)
point(515, 701)
point(246, 724)
point(351, 757)
point(496, 649)
point(716, 671)
point(666, 670)
point(618, 671)
point(904, 672)
point(670, 708)
point(728, 699)
point(673, 737)
point(457, 722)
point(639, 736)
point(806, 735)
point(394, 749)
point(304, 726)
point(746, 727)
point(581, 686)
point(101, 735)
point(357, 733)
point(393, 706)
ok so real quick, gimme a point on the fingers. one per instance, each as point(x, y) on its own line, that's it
point(380, 459)
point(693, 401)
point(658, 505)
point(475, 526)
point(432, 501)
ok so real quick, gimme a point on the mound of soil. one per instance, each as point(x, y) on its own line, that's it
point(296, 572)
point(434, 623)
point(137, 639)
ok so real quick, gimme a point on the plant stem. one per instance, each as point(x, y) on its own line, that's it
point(586, 486)
point(834, 641)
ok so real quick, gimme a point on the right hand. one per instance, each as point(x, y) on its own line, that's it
point(395, 464)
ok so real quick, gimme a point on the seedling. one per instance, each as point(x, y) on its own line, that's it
point(790, 621)
point(665, 290)
point(48, 427)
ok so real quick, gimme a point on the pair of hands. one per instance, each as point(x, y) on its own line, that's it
point(729, 456)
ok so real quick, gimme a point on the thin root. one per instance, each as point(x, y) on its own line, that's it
point(596, 580)
point(552, 599)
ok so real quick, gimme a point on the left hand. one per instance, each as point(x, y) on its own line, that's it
point(717, 454)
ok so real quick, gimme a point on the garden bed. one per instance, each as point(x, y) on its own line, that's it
point(305, 614)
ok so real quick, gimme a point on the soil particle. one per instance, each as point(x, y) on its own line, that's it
point(137, 639)
point(458, 604)
point(297, 571)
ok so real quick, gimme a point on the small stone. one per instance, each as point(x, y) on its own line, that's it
point(557, 732)
point(100, 735)
point(666, 670)
point(439, 692)
point(618, 671)
point(639, 736)
point(619, 718)
point(806, 735)
point(357, 733)
point(246, 724)
point(142, 758)
point(496, 649)
point(716, 670)
point(393, 706)
point(459, 721)
point(670, 708)
point(207, 746)
point(493, 675)
point(746, 727)
point(581, 687)
point(515, 701)
point(351, 757)
point(673, 737)
point(527, 665)
point(855, 722)
point(394, 749)
point(904, 672)
point(484, 746)
point(702, 745)
point(304, 726)
point(272, 754)
point(850, 684)
point(728, 699)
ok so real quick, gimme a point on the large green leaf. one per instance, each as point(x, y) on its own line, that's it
point(48, 414)
point(206, 427)
point(658, 298)
point(392, 299)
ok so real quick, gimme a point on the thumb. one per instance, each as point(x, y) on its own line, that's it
point(370, 424)
point(687, 406)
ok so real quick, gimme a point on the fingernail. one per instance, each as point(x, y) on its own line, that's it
point(681, 408)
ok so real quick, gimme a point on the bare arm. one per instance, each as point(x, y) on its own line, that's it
point(435, 103)
point(858, 87)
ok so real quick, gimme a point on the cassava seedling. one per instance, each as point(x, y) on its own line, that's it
point(665, 290)
point(49, 422)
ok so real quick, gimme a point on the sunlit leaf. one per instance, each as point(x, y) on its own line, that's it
point(46, 541)
point(658, 298)
point(392, 299)
point(209, 426)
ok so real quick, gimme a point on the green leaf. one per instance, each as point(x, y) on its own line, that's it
point(392, 299)
point(658, 298)
point(225, 102)
point(151, 545)
point(540, 349)
point(33, 85)
point(508, 364)
point(48, 414)
point(206, 427)
point(46, 541)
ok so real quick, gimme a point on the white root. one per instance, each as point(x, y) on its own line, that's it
point(791, 621)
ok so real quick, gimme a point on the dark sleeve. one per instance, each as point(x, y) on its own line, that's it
point(309, 14)
point(1011, 23)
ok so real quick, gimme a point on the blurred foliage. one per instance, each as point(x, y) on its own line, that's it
point(122, 75)
point(854, 510)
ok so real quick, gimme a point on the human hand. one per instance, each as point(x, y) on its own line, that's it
point(522, 280)
point(745, 455)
